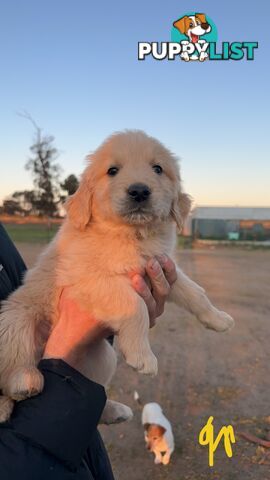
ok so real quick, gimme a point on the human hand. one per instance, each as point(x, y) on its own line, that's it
point(155, 286)
point(76, 329)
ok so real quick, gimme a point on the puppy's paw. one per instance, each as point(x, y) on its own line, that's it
point(203, 56)
point(217, 320)
point(150, 364)
point(166, 459)
point(115, 412)
point(157, 461)
point(6, 407)
point(124, 414)
point(184, 56)
point(134, 360)
point(143, 362)
point(25, 382)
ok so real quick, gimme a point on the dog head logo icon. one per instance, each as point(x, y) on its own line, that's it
point(192, 29)
point(193, 26)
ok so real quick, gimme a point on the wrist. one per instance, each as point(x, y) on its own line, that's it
point(62, 348)
point(72, 358)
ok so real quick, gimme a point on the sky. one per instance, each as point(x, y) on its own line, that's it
point(73, 66)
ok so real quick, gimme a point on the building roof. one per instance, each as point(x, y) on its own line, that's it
point(231, 213)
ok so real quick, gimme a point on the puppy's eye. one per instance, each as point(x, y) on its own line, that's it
point(113, 171)
point(191, 25)
point(158, 169)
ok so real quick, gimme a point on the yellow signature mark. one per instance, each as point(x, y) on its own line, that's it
point(206, 437)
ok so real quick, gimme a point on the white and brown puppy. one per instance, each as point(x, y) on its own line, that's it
point(126, 210)
point(157, 433)
point(193, 26)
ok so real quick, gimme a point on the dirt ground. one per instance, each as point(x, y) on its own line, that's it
point(202, 373)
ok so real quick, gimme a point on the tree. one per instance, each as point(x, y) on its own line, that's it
point(11, 207)
point(70, 185)
point(46, 197)
point(45, 172)
point(20, 203)
point(27, 200)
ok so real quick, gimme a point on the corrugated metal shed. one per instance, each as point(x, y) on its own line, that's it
point(231, 213)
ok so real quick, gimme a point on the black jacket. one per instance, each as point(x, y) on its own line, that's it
point(53, 435)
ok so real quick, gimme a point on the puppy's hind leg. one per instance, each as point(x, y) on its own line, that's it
point(6, 407)
point(24, 382)
point(19, 377)
point(134, 342)
point(191, 296)
point(115, 412)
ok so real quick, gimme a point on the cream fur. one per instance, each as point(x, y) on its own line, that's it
point(100, 242)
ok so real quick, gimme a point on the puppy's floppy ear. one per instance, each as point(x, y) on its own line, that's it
point(146, 426)
point(181, 208)
point(201, 17)
point(181, 24)
point(78, 205)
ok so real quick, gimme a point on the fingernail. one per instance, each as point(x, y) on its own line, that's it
point(136, 279)
point(162, 258)
point(154, 265)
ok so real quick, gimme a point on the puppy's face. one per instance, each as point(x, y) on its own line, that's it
point(153, 435)
point(132, 179)
point(193, 26)
point(136, 180)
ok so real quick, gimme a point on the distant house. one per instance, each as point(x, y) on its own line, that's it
point(233, 223)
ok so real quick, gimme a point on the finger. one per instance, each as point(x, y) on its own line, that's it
point(159, 283)
point(144, 291)
point(169, 268)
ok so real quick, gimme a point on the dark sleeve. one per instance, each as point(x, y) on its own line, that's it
point(62, 419)
point(12, 266)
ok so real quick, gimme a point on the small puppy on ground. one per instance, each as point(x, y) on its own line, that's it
point(157, 433)
point(125, 211)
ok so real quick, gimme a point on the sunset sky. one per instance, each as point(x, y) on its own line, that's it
point(73, 66)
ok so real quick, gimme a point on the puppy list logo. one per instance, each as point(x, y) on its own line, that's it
point(194, 37)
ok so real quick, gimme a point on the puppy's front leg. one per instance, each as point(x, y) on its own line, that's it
point(158, 457)
point(166, 457)
point(191, 296)
point(133, 340)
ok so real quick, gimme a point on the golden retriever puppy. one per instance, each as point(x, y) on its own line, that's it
point(126, 210)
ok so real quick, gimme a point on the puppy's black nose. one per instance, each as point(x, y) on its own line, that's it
point(205, 26)
point(139, 192)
